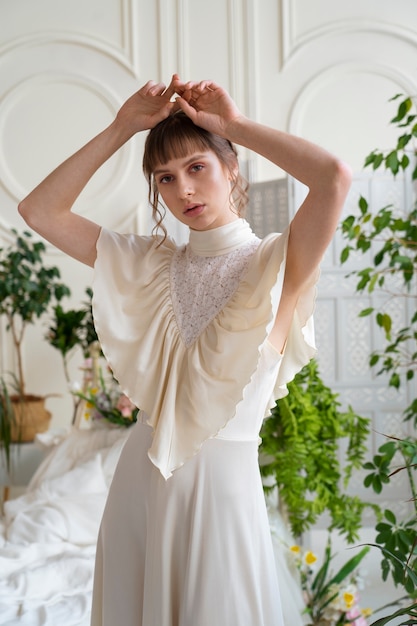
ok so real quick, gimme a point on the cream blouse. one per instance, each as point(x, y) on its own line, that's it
point(183, 328)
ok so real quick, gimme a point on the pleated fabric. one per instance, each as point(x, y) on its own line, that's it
point(139, 335)
point(185, 537)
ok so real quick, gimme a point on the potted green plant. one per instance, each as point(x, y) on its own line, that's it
point(300, 455)
point(71, 329)
point(28, 290)
point(331, 599)
point(7, 421)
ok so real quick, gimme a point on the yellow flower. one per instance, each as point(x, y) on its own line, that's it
point(366, 612)
point(295, 549)
point(349, 599)
point(310, 558)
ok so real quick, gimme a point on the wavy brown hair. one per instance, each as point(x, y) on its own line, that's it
point(176, 137)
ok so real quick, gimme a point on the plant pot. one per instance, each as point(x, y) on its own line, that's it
point(31, 417)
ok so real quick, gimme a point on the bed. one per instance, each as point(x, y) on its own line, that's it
point(48, 535)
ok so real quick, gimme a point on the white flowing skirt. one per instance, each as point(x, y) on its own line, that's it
point(194, 550)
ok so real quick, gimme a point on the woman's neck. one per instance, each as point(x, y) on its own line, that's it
point(222, 239)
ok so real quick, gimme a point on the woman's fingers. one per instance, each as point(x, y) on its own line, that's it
point(173, 86)
point(206, 85)
point(157, 89)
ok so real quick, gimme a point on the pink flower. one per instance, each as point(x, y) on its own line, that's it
point(356, 618)
point(125, 406)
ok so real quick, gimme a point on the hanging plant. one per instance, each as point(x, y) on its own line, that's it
point(300, 452)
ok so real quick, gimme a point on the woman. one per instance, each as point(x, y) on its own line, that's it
point(201, 337)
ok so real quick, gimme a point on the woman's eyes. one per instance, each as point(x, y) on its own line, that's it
point(168, 178)
point(165, 179)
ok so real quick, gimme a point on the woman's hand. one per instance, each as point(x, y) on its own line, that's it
point(208, 105)
point(205, 102)
point(148, 106)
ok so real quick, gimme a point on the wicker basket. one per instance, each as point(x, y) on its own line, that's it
point(31, 417)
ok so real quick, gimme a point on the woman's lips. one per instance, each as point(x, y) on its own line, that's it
point(194, 210)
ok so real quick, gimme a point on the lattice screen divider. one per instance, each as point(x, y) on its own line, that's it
point(345, 340)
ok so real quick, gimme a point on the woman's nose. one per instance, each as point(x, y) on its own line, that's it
point(186, 190)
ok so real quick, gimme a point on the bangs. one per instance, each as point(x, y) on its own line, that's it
point(175, 147)
point(175, 137)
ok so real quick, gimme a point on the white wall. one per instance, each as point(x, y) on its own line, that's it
point(321, 69)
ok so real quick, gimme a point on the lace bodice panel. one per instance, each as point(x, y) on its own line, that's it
point(202, 285)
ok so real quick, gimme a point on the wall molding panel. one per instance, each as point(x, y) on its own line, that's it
point(172, 38)
point(406, 82)
point(323, 70)
point(61, 38)
point(293, 44)
point(129, 20)
point(47, 80)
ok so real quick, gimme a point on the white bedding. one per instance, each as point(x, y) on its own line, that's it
point(48, 535)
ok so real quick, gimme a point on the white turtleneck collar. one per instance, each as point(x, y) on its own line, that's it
point(221, 240)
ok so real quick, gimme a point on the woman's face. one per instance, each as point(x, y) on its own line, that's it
point(196, 189)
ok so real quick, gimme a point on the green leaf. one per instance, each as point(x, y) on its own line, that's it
point(378, 160)
point(374, 359)
point(393, 616)
point(368, 480)
point(363, 205)
point(402, 111)
point(395, 381)
point(405, 162)
point(384, 321)
point(348, 567)
point(369, 159)
point(390, 516)
point(392, 162)
point(368, 465)
point(372, 283)
point(345, 254)
point(403, 141)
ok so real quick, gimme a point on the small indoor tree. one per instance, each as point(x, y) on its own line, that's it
point(389, 234)
point(28, 289)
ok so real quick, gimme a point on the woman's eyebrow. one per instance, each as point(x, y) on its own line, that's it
point(195, 157)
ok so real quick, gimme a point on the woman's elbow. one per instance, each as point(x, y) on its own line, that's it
point(342, 176)
point(25, 210)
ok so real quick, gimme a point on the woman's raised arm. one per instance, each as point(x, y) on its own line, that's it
point(328, 180)
point(47, 209)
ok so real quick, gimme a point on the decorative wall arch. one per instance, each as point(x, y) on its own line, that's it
point(76, 72)
point(293, 43)
point(314, 92)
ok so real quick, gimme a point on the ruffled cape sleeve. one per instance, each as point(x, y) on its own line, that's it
point(189, 394)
